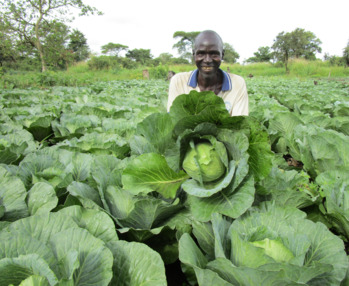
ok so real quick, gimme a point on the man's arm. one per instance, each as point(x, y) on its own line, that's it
point(178, 85)
point(172, 92)
point(240, 106)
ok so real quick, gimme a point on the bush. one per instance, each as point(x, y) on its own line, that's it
point(127, 63)
point(48, 78)
point(100, 63)
point(159, 72)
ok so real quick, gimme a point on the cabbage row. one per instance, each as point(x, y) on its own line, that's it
point(102, 186)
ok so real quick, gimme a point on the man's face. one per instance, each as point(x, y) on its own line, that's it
point(208, 54)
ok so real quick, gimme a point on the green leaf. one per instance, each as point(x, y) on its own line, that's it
point(156, 130)
point(88, 196)
point(121, 202)
point(204, 235)
point(194, 188)
point(12, 196)
point(136, 264)
point(14, 270)
point(97, 222)
point(309, 242)
point(41, 198)
point(260, 159)
point(150, 172)
point(14, 244)
point(35, 280)
point(189, 252)
point(232, 201)
point(95, 259)
point(197, 103)
point(150, 213)
point(335, 185)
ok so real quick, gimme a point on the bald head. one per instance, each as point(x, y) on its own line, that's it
point(208, 35)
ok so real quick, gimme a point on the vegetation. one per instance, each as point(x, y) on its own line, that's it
point(93, 191)
point(34, 38)
point(36, 25)
point(296, 44)
point(113, 49)
point(185, 44)
point(100, 185)
point(106, 68)
point(230, 55)
point(263, 54)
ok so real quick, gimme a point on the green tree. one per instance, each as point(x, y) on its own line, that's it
point(230, 55)
point(113, 49)
point(78, 45)
point(304, 44)
point(334, 60)
point(26, 19)
point(263, 54)
point(55, 43)
point(141, 56)
point(185, 43)
point(282, 48)
point(165, 58)
point(296, 44)
point(7, 51)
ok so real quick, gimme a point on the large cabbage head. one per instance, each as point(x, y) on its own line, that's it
point(202, 161)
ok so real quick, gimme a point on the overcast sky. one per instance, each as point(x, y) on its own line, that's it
point(245, 24)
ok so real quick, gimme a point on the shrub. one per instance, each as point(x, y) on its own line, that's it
point(159, 72)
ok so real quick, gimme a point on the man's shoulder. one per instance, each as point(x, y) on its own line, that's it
point(182, 74)
point(181, 78)
point(235, 77)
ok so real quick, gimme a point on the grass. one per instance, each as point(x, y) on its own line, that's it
point(81, 75)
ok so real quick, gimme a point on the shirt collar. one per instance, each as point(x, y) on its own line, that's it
point(193, 80)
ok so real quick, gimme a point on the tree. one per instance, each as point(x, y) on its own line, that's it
point(7, 50)
point(112, 49)
point(304, 44)
point(282, 48)
point(230, 55)
point(78, 45)
point(296, 44)
point(165, 58)
point(263, 54)
point(185, 43)
point(141, 56)
point(26, 18)
point(54, 45)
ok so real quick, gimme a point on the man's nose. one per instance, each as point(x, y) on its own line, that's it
point(207, 58)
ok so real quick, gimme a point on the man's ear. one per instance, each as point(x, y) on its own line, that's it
point(223, 54)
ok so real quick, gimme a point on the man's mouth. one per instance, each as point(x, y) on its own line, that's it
point(207, 68)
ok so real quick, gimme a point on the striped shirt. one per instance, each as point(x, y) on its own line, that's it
point(234, 91)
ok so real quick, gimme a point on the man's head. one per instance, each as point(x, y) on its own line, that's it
point(208, 52)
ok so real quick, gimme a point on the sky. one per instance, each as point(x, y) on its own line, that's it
point(245, 24)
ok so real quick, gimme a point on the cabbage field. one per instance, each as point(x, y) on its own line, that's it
point(99, 185)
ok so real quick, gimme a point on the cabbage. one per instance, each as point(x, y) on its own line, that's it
point(275, 249)
point(203, 162)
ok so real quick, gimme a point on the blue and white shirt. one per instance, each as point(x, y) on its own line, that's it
point(233, 92)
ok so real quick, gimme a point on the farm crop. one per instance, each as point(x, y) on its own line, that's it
point(100, 185)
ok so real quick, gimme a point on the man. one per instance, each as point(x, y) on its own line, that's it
point(208, 54)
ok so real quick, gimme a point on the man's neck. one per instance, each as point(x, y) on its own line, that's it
point(213, 83)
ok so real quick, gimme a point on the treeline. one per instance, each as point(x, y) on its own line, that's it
point(34, 35)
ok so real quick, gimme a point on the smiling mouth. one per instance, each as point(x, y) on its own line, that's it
point(207, 68)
